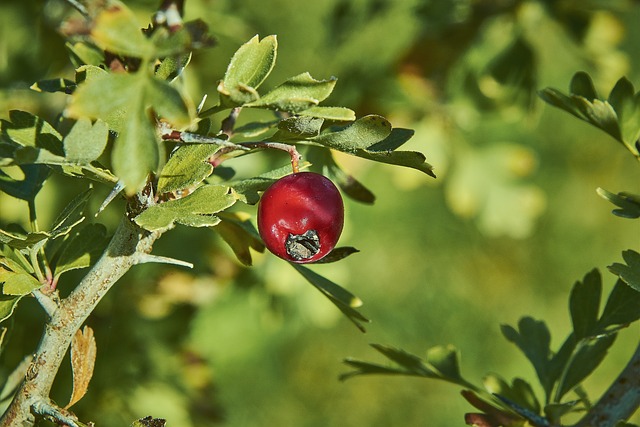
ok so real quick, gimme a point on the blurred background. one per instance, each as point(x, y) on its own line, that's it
point(511, 222)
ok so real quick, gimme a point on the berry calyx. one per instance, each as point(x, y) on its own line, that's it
point(300, 217)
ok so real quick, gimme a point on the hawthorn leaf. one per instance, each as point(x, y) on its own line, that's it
point(584, 304)
point(237, 230)
point(248, 68)
point(582, 85)
point(533, 339)
point(337, 254)
point(340, 297)
point(444, 362)
point(54, 85)
point(187, 167)
point(82, 249)
point(621, 307)
point(86, 141)
point(585, 360)
point(519, 391)
point(28, 130)
point(338, 114)
point(27, 188)
point(296, 94)
point(247, 190)
point(361, 134)
point(86, 73)
point(298, 128)
point(14, 259)
point(19, 242)
point(168, 102)
point(254, 129)
point(83, 359)
point(630, 271)
point(195, 210)
point(626, 104)
point(17, 283)
point(82, 53)
point(628, 204)
point(117, 30)
point(172, 66)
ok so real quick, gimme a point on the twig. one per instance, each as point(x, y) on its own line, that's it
point(620, 401)
point(49, 302)
point(59, 415)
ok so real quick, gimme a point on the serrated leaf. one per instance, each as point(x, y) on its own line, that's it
point(629, 272)
point(17, 284)
point(187, 167)
point(195, 210)
point(248, 68)
point(621, 307)
point(585, 360)
point(86, 141)
point(628, 203)
point(82, 249)
point(341, 298)
point(584, 304)
point(533, 339)
point(83, 358)
point(296, 94)
point(116, 30)
point(240, 234)
point(338, 114)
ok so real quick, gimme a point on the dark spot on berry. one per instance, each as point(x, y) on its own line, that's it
point(303, 246)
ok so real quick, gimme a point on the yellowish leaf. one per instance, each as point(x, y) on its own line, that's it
point(83, 358)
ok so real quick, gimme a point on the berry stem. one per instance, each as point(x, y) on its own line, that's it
point(291, 149)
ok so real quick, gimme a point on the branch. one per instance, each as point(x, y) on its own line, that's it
point(620, 401)
point(128, 247)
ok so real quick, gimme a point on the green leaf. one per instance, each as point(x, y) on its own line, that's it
point(338, 114)
point(172, 66)
point(17, 283)
point(296, 94)
point(86, 141)
point(337, 254)
point(82, 249)
point(194, 210)
point(248, 68)
point(584, 362)
point(341, 298)
point(117, 30)
point(361, 134)
point(34, 139)
point(519, 392)
point(54, 85)
point(629, 272)
point(187, 167)
point(72, 214)
point(627, 107)
point(533, 339)
point(628, 203)
point(7, 305)
point(16, 241)
point(14, 260)
point(297, 129)
point(584, 304)
point(444, 362)
point(621, 307)
point(84, 54)
point(582, 85)
point(247, 190)
point(27, 188)
point(240, 234)
point(555, 411)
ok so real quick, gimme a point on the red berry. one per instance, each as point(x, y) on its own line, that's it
point(300, 217)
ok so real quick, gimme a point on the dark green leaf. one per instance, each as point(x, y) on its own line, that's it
point(238, 231)
point(533, 339)
point(82, 249)
point(627, 107)
point(629, 272)
point(412, 364)
point(344, 300)
point(337, 254)
point(559, 362)
point(395, 140)
point(444, 362)
point(555, 411)
point(584, 304)
point(519, 392)
point(584, 362)
point(361, 134)
point(622, 307)
point(86, 141)
point(582, 85)
point(296, 94)
point(72, 214)
point(187, 167)
point(84, 54)
point(16, 241)
point(195, 210)
point(13, 259)
point(297, 129)
point(7, 305)
point(254, 129)
point(629, 204)
point(27, 188)
point(248, 68)
point(54, 85)
point(410, 159)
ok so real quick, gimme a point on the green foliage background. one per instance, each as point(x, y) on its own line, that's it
point(510, 224)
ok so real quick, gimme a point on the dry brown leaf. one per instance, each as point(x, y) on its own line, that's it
point(83, 358)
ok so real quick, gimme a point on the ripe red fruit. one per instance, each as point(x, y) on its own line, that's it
point(300, 217)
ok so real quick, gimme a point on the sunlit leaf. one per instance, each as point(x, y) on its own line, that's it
point(361, 134)
point(86, 141)
point(82, 53)
point(297, 128)
point(7, 305)
point(519, 391)
point(621, 307)
point(83, 358)
point(17, 283)
point(338, 114)
point(240, 234)
point(296, 94)
point(248, 68)
point(188, 166)
point(54, 85)
point(117, 30)
point(30, 186)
